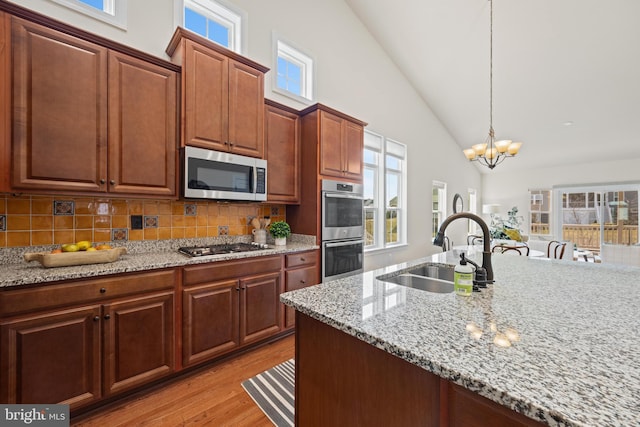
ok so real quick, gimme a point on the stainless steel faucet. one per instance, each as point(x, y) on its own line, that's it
point(486, 237)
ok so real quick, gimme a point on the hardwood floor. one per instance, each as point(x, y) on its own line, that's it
point(211, 397)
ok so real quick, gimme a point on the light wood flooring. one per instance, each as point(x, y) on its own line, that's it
point(211, 397)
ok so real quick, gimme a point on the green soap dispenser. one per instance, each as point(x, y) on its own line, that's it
point(463, 277)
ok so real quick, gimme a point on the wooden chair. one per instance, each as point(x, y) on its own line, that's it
point(506, 248)
point(555, 249)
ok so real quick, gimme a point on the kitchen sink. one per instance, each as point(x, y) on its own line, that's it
point(429, 277)
point(430, 284)
point(443, 272)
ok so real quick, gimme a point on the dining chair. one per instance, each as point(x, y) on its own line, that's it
point(474, 240)
point(521, 250)
point(555, 249)
point(446, 244)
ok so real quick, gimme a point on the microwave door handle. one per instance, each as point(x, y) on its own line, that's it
point(351, 242)
point(254, 180)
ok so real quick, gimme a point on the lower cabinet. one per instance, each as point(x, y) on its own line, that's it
point(227, 305)
point(103, 337)
point(301, 271)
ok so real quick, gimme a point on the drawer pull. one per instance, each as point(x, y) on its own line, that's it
point(103, 290)
point(302, 259)
point(95, 319)
point(107, 316)
point(303, 281)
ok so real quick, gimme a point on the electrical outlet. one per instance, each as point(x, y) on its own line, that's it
point(136, 222)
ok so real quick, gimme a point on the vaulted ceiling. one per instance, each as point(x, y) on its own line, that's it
point(566, 73)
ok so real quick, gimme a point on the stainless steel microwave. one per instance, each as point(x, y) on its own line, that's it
point(212, 174)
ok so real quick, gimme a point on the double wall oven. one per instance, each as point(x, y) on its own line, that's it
point(342, 229)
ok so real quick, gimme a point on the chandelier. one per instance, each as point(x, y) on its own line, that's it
point(492, 152)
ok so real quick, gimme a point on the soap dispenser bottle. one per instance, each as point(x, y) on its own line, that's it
point(463, 277)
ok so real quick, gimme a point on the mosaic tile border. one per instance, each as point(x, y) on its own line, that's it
point(119, 234)
point(150, 221)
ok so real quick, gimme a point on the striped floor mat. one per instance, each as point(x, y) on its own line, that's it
point(273, 392)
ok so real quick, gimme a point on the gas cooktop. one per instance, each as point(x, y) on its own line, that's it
point(225, 248)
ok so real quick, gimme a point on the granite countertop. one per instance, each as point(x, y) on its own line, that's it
point(572, 330)
point(139, 257)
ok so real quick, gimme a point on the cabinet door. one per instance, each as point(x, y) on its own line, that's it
point(298, 279)
point(206, 95)
point(260, 307)
point(246, 110)
point(51, 358)
point(210, 321)
point(5, 102)
point(282, 140)
point(138, 341)
point(353, 142)
point(59, 110)
point(142, 127)
point(330, 145)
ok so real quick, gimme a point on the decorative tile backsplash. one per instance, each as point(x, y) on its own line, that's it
point(44, 220)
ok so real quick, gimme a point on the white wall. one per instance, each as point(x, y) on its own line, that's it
point(353, 75)
point(511, 188)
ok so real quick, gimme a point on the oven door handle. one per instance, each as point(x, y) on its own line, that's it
point(350, 242)
point(343, 196)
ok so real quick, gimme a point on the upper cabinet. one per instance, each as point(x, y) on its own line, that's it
point(339, 140)
point(223, 96)
point(282, 146)
point(5, 102)
point(87, 118)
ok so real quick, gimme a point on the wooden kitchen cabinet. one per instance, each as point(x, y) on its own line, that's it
point(302, 270)
point(223, 96)
point(227, 305)
point(282, 148)
point(87, 118)
point(78, 342)
point(5, 103)
point(339, 140)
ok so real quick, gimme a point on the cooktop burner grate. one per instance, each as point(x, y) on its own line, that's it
point(225, 248)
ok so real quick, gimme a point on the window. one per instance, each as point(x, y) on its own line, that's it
point(540, 212)
point(439, 205)
point(113, 12)
point(293, 76)
point(218, 22)
point(473, 203)
point(385, 183)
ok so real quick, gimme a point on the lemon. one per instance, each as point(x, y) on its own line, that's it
point(83, 245)
point(91, 249)
point(70, 247)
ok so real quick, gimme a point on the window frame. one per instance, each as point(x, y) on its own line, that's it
point(295, 55)
point(549, 212)
point(222, 12)
point(441, 187)
point(114, 12)
point(380, 145)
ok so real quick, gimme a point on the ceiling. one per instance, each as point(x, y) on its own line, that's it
point(555, 63)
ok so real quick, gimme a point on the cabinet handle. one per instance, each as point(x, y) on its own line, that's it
point(107, 316)
point(95, 319)
point(103, 290)
point(237, 289)
point(302, 259)
point(303, 281)
point(231, 144)
point(102, 181)
point(112, 182)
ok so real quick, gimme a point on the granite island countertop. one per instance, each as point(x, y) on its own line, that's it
point(16, 272)
point(572, 330)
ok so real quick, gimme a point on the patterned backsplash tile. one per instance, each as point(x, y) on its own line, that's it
point(30, 220)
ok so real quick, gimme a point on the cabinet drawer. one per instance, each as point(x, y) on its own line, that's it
point(83, 291)
point(301, 278)
point(301, 258)
point(216, 271)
